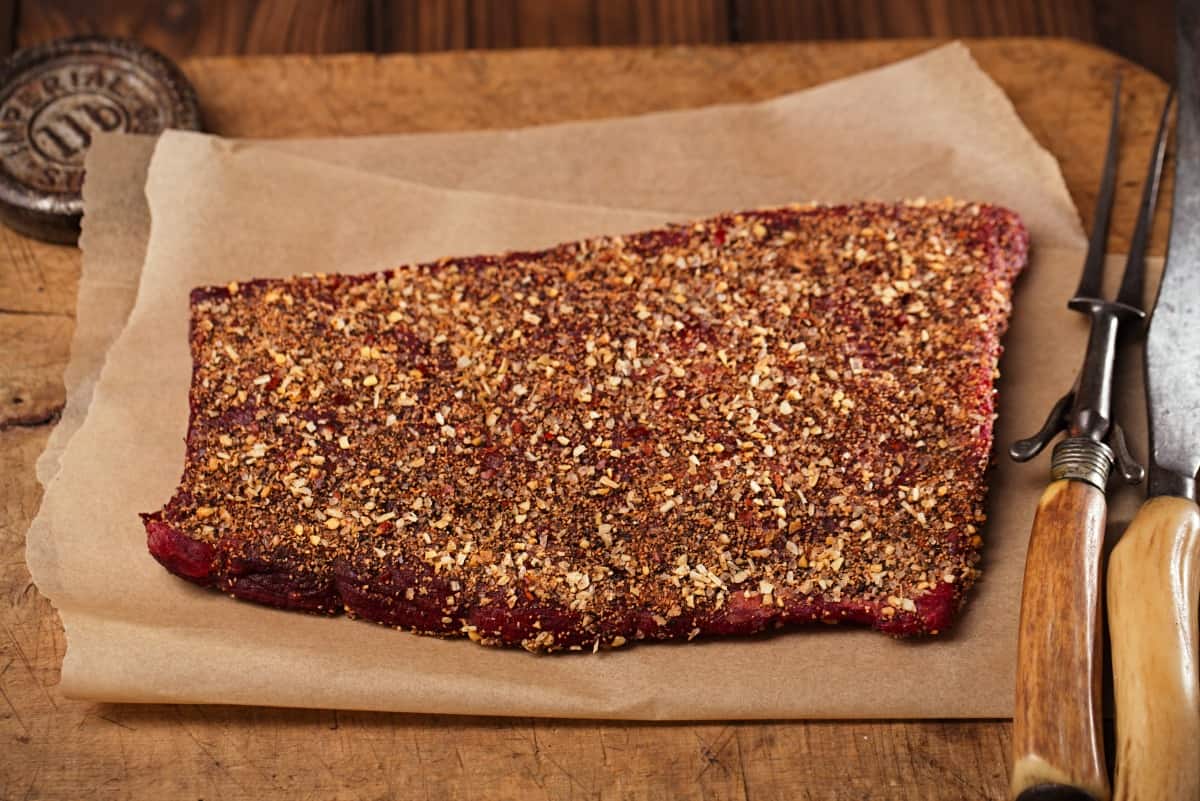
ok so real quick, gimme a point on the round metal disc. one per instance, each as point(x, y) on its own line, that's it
point(53, 99)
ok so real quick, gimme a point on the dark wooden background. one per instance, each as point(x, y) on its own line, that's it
point(1140, 30)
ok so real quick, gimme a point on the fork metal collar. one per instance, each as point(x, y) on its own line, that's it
point(1082, 459)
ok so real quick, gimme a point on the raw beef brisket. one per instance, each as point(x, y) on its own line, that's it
point(756, 420)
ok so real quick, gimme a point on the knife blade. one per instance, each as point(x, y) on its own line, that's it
point(1154, 570)
point(1058, 749)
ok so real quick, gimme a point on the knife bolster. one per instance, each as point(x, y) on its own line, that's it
point(1056, 722)
point(1170, 483)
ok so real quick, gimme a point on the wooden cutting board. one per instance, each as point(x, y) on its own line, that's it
point(53, 748)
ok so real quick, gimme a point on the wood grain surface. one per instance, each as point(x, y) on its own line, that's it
point(1140, 31)
point(53, 748)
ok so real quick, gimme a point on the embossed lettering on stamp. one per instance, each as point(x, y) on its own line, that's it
point(48, 119)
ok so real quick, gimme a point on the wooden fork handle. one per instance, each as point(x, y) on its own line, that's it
point(1058, 750)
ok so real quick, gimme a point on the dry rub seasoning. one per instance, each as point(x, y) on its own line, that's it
point(756, 420)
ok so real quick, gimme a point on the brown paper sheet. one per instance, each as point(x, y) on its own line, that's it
point(224, 211)
point(114, 240)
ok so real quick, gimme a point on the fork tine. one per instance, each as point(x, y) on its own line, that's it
point(1134, 280)
point(1093, 266)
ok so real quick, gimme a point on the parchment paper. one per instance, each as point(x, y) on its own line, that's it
point(223, 210)
point(114, 243)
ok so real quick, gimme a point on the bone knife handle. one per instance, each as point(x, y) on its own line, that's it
point(1058, 751)
point(1153, 590)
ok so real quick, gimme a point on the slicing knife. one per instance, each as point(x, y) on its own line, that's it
point(1058, 749)
point(1154, 571)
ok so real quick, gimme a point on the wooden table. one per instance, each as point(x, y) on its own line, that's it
point(54, 748)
